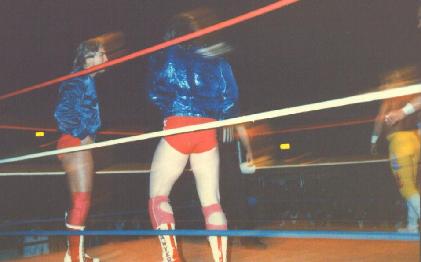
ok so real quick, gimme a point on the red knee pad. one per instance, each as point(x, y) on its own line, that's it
point(208, 211)
point(156, 214)
point(81, 202)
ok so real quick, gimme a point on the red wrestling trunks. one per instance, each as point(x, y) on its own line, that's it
point(65, 141)
point(192, 142)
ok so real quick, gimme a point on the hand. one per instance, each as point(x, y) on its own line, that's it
point(249, 157)
point(87, 140)
point(394, 116)
point(373, 149)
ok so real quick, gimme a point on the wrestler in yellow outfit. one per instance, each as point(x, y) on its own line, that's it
point(404, 152)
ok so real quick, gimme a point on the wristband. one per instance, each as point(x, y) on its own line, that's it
point(374, 139)
point(247, 168)
point(408, 109)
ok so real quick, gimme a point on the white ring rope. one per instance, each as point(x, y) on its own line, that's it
point(339, 163)
point(357, 99)
point(61, 173)
point(147, 171)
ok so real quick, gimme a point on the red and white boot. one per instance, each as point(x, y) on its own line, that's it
point(75, 247)
point(215, 220)
point(168, 245)
point(162, 218)
point(219, 247)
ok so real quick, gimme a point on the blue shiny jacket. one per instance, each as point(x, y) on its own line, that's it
point(184, 83)
point(77, 111)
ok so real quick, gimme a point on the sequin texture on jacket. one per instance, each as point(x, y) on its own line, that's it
point(77, 111)
point(184, 83)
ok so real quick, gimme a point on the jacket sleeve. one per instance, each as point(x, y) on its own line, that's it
point(229, 92)
point(158, 84)
point(67, 113)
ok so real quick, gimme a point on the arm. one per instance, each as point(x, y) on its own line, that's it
point(158, 84)
point(67, 112)
point(396, 115)
point(244, 138)
point(378, 128)
point(229, 92)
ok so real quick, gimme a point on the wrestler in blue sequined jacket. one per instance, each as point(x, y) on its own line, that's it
point(77, 112)
point(184, 83)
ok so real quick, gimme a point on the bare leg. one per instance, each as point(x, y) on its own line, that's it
point(79, 170)
point(79, 167)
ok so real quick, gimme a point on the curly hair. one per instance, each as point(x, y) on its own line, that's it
point(85, 50)
point(399, 77)
point(192, 21)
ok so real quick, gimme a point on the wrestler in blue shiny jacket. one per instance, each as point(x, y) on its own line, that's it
point(185, 83)
point(77, 112)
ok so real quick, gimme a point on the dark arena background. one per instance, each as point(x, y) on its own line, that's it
point(317, 193)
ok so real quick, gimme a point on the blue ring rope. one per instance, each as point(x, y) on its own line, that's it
point(346, 235)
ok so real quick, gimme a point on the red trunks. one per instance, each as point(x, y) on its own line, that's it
point(67, 140)
point(192, 142)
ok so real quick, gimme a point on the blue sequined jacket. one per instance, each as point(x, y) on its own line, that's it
point(77, 111)
point(184, 83)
